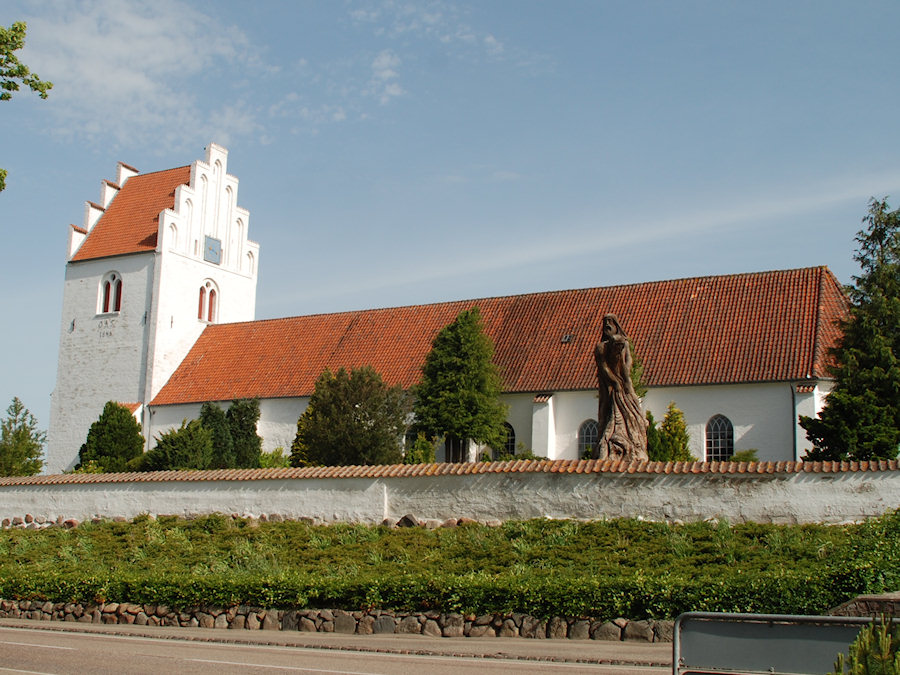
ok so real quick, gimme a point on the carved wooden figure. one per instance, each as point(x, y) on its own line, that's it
point(622, 425)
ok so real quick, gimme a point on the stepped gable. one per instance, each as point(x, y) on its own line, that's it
point(759, 327)
point(130, 224)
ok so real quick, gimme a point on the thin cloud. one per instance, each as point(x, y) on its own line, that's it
point(124, 72)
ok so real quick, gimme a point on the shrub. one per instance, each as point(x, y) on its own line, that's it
point(113, 440)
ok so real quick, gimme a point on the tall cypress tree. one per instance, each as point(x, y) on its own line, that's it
point(459, 393)
point(213, 418)
point(242, 416)
point(861, 418)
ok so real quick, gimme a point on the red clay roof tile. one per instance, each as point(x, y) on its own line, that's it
point(130, 224)
point(758, 327)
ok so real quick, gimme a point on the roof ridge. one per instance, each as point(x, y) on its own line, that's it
point(530, 294)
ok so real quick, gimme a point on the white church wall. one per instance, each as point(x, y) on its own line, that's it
point(278, 421)
point(572, 408)
point(827, 497)
point(519, 416)
point(101, 355)
point(762, 415)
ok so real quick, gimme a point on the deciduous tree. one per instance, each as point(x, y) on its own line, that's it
point(352, 418)
point(21, 443)
point(459, 393)
point(14, 73)
point(861, 418)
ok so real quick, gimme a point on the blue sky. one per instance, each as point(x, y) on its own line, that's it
point(394, 152)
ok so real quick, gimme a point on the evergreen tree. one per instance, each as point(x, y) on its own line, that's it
point(421, 450)
point(243, 416)
point(188, 447)
point(861, 418)
point(113, 440)
point(352, 418)
point(213, 418)
point(673, 436)
point(459, 393)
point(655, 450)
point(21, 443)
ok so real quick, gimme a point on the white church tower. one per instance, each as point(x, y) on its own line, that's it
point(160, 257)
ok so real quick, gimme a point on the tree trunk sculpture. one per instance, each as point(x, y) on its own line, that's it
point(622, 425)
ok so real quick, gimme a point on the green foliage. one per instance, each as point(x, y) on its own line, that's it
point(602, 569)
point(113, 440)
point(459, 393)
point(503, 456)
point(748, 455)
point(213, 418)
point(242, 417)
point(14, 73)
point(672, 442)
point(352, 418)
point(275, 459)
point(421, 452)
point(655, 450)
point(188, 447)
point(637, 372)
point(875, 651)
point(21, 443)
point(861, 418)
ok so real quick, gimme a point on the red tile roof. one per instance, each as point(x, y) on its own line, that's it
point(410, 470)
point(130, 224)
point(759, 327)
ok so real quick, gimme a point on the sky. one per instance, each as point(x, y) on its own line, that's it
point(394, 153)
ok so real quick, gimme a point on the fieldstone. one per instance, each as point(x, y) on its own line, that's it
point(252, 623)
point(290, 621)
point(70, 617)
point(344, 623)
point(192, 622)
point(85, 618)
point(450, 522)
point(482, 631)
point(206, 620)
point(453, 625)
point(432, 523)
point(558, 629)
point(29, 518)
point(365, 626)
point(431, 628)
point(307, 625)
point(483, 620)
point(327, 627)
point(70, 523)
point(638, 630)
point(534, 628)
point(6, 522)
point(621, 622)
point(220, 622)
point(140, 619)
point(408, 520)
point(270, 621)
point(237, 622)
point(326, 615)
point(663, 631)
point(111, 608)
point(605, 630)
point(383, 624)
point(466, 521)
point(508, 629)
point(162, 610)
point(409, 624)
point(580, 630)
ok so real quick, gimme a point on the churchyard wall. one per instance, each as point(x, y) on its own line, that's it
point(784, 492)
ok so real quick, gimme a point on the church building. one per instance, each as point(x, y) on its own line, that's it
point(158, 314)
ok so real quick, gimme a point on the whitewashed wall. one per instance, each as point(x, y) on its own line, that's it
point(778, 498)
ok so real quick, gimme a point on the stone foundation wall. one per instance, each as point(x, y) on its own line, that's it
point(433, 624)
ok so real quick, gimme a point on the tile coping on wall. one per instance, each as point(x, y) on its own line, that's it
point(582, 466)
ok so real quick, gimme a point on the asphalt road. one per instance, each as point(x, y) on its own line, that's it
point(30, 647)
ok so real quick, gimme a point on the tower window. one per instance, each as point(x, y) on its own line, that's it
point(208, 302)
point(110, 293)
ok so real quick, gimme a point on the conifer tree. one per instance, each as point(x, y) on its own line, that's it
point(243, 416)
point(188, 447)
point(861, 418)
point(459, 393)
point(213, 418)
point(655, 450)
point(21, 443)
point(673, 436)
point(113, 440)
point(352, 419)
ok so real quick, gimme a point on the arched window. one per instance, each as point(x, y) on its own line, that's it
point(588, 435)
point(509, 445)
point(208, 305)
point(719, 439)
point(110, 293)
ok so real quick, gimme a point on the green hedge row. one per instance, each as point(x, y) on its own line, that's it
point(540, 595)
